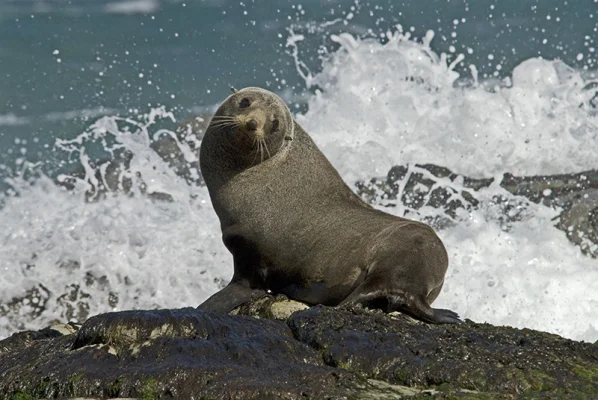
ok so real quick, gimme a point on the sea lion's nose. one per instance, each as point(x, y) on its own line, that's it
point(252, 125)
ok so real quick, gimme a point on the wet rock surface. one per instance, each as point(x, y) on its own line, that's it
point(475, 357)
point(296, 353)
point(420, 187)
point(171, 354)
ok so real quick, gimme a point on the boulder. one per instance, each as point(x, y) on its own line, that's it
point(275, 348)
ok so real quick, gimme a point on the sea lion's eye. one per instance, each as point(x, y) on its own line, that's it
point(245, 103)
point(275, 125)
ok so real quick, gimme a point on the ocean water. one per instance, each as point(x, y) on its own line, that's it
point(482, 88)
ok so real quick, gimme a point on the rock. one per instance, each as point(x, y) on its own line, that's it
point(475, 357)
point(317, 352)
point(32, 303)
point(271, 307)
point(177, 148)
point(188, 135)
point(576, 194)
point(22, 340)
point(418, 186)
point(172, 353)
point(103, 177)
point(191, 130)
point(73, 301)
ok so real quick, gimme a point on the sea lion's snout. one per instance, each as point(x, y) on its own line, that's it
point(251, 125)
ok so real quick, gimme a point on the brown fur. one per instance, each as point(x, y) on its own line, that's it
point(294, 227)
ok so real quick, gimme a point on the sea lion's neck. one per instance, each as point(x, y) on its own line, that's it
point(222, 160)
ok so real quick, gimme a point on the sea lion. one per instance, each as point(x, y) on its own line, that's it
point(294, 227)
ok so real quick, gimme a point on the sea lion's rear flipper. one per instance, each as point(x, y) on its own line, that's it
point(422, 311)
point(232, 296)
point(402, 302)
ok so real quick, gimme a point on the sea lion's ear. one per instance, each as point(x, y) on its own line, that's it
point(234, 90)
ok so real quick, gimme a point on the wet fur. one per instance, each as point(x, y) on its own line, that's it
point(294, 227)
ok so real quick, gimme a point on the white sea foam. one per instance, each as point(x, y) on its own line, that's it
point(397, 103)
point(12, 119)
point(379, 105)
point(132, 7)
point(151, 254)
point(402, 98)
point(84, 113)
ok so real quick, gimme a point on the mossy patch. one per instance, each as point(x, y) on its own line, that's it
point(149, 390)
point(587, 371)
point(114, 389)
point(22, 396)
point(541, 381)
point(474, 380)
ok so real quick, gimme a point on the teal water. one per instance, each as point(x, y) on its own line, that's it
point(64, 62)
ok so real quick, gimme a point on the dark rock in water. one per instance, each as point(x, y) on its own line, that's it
point(317, 353)
point(22, 340)
point(109, 176)
point(33, 300)
point(576, 194)
point(74, 300)
point(417, 186)
point(191, 130)
point(114, 175)
point(101, 176)
point(170, 148)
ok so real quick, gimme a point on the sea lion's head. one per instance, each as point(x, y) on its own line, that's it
point(253, 124)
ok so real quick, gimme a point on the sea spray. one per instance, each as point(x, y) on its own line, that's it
point(80, 255)
point(374, 106)
point(382, 104)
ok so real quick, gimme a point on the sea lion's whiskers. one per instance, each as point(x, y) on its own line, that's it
point(215, 121)
point(221, 124)
point(224, 116)
point(256, 145)
point(224, 120)
point(266, 147)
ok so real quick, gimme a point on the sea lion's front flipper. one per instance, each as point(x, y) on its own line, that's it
point(232, 296)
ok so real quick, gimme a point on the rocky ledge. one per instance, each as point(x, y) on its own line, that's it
point(505, 198)
point(274, 348)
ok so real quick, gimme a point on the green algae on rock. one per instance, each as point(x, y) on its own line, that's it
point(317, 352)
